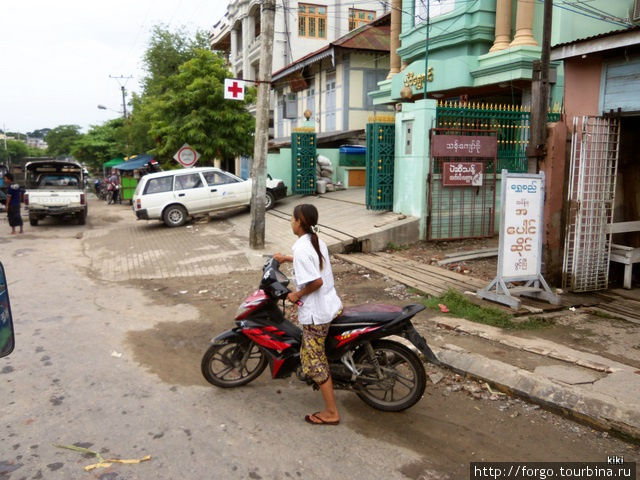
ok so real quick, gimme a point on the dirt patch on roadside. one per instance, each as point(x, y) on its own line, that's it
point(173, 350)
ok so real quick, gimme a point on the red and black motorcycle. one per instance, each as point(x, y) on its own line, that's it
point(385, 374)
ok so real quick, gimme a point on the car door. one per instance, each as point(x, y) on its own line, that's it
point(227, 190)
point(190, 190)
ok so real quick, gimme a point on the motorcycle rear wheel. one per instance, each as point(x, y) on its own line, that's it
point(404, 379)
point(233, 363)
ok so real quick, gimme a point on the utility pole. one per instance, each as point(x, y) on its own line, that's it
point(259, 170)
point(124, 101)
point(540, 94)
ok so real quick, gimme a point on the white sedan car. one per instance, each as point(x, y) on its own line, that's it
point(175, 195)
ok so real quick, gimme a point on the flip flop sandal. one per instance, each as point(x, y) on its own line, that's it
point(314, 419)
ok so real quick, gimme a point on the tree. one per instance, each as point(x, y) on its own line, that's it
point(167, 51)
point(193, 110)
point(16, 151)
point(101, 143)
point(61, 139)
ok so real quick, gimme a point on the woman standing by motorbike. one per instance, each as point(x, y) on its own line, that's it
point(318, 304)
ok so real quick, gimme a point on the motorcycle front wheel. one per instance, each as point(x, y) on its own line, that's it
point(396, 383)
point(233, 363)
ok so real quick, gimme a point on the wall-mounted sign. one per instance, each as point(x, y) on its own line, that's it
point(462, 174)
point(417, 81)
point(464, 146)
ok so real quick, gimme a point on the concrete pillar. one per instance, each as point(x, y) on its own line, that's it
point(396, 27)
point(553, 166)
point(503, 25)
point(246, 40)
point(412, 167)
point(234, 50)
point(524, 24)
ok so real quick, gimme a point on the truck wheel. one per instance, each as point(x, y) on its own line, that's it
point(82, 218)
point(269, 201)
point(174, 216)
point(33, 221)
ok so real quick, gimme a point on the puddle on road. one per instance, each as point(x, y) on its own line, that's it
point(173, 351)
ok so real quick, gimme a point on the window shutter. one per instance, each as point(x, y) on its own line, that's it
point(291, 106)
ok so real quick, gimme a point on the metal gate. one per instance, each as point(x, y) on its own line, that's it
point(462, 184)
point(303, 163)
point(380, 161)
point(592, 186)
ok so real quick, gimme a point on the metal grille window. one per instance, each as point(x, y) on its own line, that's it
point(357, 17)
point(312, 21)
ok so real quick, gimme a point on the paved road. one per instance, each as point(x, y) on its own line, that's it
point(79, 376)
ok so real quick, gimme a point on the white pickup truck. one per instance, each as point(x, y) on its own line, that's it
point(55, 188)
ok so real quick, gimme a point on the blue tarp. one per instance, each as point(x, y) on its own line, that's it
point(135, 163)
point(353, 149)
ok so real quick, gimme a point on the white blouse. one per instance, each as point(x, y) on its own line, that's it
point(324, 304)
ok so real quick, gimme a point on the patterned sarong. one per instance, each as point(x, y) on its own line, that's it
point(314, 360)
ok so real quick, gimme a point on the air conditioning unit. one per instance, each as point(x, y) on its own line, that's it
point(636, 11)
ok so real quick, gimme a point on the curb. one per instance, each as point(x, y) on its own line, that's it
point(594, 408)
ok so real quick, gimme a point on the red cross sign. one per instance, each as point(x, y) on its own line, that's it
point(233, 89)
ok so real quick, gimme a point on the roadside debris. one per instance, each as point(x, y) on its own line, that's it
point(102, 462)
point(116, 354)
point(443, 308)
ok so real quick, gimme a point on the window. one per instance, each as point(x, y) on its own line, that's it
point(636, 11)
point(159, 185)
point(291, 105)
point(370, 84)
point(218, 178)
point(357, 18)
point(187, 182)
point(312, 21)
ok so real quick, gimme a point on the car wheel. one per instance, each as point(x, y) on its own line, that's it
point(269, 201)
point(33, 221)
point(174, 215)
point(82, 217)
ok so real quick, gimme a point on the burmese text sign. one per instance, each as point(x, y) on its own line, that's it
point(462, 174)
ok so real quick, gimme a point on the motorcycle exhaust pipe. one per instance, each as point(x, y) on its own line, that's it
point(421, 344)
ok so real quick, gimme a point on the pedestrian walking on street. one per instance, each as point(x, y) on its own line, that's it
point(114, 187)
point(14, 197)
point(318, 304)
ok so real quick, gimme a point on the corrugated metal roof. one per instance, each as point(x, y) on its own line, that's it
point(595, 37)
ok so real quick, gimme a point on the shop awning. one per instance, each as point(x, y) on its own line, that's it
point(113, 162)
point(135, 163)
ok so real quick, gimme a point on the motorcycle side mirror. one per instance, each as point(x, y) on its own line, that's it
point(7, 338)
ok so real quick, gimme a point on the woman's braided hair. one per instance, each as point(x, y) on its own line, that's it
point(307, 215)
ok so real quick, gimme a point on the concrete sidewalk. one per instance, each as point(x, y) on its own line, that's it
point(218, 244)
point(590, 388)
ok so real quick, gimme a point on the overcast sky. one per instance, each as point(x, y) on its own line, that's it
point(56, 56)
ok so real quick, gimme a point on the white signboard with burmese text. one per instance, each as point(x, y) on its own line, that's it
point(520, 239)
point(520, 250)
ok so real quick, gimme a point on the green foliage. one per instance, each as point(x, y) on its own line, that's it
point(167, 51)
point(193, 110)
point(15, 151)
point(460, 306)
point(61, 139)
point(101, 143)
point(392, 247)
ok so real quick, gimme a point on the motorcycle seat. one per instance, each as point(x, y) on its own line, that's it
point(368, 312)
